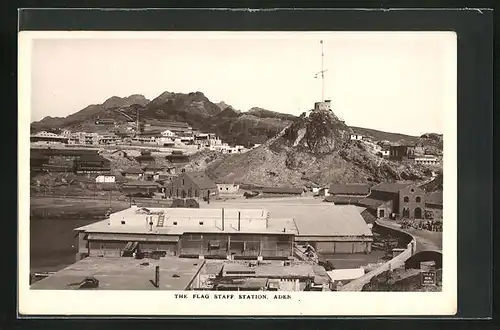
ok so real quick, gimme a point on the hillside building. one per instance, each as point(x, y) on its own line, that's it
point(191, 185)
point(282, 191)
point(399, 152)
point(399, 200)
point(426, 160)
point(145, 158)
point(356, 137)
point(152, 172)
point(207, 140)
point(168, 133)
point(105, 121)
point(141, 188)
point(108, 139)
point(105, 178)
point(177, 158)
point(89, 163)
point(228, 188)
point(48, 138)
point(347, 194)
point(133, 173)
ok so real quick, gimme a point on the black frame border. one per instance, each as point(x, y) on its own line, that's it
point(474, 28)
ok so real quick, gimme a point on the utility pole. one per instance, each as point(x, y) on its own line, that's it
point(110, 199)
point(137, 123)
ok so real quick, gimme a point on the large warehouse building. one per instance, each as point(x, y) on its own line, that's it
point(216, 233)
point(329, 228)
point(228, 230)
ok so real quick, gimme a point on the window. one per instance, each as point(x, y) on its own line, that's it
point(196, 193)
point(381, 213)
point(175, 223)
point(201, 223)
point(227, 188)
point(418, 199)
point(412, 190)
point(182, 181)
point(123, 222)
point(406, 199)
point(220, 188)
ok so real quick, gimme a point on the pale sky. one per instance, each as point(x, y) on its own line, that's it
point(394, 82)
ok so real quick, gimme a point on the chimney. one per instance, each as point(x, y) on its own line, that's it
point(222, 219)
point(239, 221)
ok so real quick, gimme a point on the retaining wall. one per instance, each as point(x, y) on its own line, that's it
point(396, 262)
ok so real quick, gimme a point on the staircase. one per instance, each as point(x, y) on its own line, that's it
point(130, 249)
point(161, 220)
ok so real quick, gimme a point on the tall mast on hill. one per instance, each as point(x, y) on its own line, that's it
point(322, 72)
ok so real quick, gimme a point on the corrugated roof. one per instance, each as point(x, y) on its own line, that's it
point(332, 221)
point(92, 158)
point(393, 187)
point(349, 189)
point(282, 190)
point(132, 238)
point(343, 199)
point(202, 180)
point(319, 219)
point(153, 167)
point(139, 183)
point(133, 170)
point(371, 202)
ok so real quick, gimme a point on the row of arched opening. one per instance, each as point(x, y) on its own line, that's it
point(406, 199)
point(417, 213)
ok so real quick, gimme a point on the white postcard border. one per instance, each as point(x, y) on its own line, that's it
point(71, 302)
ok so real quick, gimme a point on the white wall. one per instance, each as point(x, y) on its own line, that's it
point(105, 179)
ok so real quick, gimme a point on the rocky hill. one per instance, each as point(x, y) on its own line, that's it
point(233, 126)
point(111, 108)
point(315, 148)
point(246, 128)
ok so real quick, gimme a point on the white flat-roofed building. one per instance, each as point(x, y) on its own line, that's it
point(426, 160)
point(168, 133)
point(221, 233)
point(328, 228)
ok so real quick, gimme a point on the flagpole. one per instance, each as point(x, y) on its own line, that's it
point(322, 74)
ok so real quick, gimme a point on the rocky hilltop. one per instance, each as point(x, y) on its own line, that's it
point(314, 149)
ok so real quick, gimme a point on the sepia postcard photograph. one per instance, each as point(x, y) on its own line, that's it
point(237, 173)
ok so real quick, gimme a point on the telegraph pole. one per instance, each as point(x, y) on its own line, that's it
point(137, 123)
